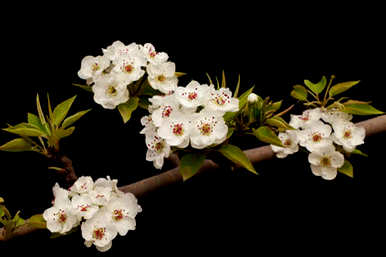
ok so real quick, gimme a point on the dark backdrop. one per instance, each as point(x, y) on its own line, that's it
point(285, 208)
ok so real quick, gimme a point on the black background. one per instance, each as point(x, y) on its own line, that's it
point(286, 208)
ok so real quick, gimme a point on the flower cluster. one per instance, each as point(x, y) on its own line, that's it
point(191, 114)
point(325, 134)
point(100, 206)
point(120, 66)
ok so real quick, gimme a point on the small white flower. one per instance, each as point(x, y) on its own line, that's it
point(127, 70)
point(83, 185)
point(93, 67)
point(334, 115)
point(112, 51)
point(152, 56)
point(222, 101)
point(176, 130)
point(316, 135)
point(99, 231)
point(158, 149)
point(307, 118)
point(252, 98)
point(208, 129)
point(325, 162)
point(121, 212)
point(162, 77)
point(101, 195)
point(118, 51)
point(166, 109)
point(348, 135)
point(109, 92)
point(83, 206)
point(148, 124)
point(290, 141)
point(193, 95)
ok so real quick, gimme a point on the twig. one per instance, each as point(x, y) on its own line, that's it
point(373, 126)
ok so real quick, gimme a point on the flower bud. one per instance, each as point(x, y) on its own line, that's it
point(252, 98)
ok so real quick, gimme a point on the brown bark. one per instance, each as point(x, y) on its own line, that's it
point(373, 126)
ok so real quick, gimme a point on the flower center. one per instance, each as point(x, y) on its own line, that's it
point(287, 142)
point(117, 215)
point(325, 161)
point(84, 207)
point(111, 91)
point(153, 54)
point(316, 138)
point(347, 134)
point(178, 129)
point(62, 217)
point(161, 78)
point(219, 100)
point(159, 146)
point(192, 96)
point(167, 111)
point(95, 67)
point(99, 233)
point(129, 68)
point(206, 129)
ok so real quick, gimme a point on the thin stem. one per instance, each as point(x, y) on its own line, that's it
point(325, 100)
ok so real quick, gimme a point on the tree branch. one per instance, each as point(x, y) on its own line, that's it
point(373, 126)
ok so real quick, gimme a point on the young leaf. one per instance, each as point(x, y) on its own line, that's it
point(347, 169)
point(49, 107)
point(236, 155)
point(267, 135)
point(318, 87)
point(209, 79)
point(342, 87)
point(190, 164)
point(84, 87)
point(279, 123)
point(299, 92)
point(37, 221)
point(61, 110)
point(29, 132)
point(73, 118)
point(62, 133)
point(41, 116)
point(180, 74)
point(359, 152)
point(18, 220)
point(237, 87)
point(360, 108)
point(273, 107)
point(17, 145)
point(35, 121)
point(223, 81)
point(127, 109)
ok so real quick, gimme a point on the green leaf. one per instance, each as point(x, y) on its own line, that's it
point(144, 103)
point(37, 221)
point(1, 200)
point(273, 107)
point(359, 152)
point(342, 87)
point(73, 118)
point(61, 110)
point(230, 132)
point(17, 145)
point(84, 87)
point(236, 155)
point(49, 107)
point(35, 121)
point(2, 213)
point(190, 164)
point(41, 116)
point(347, 169)
point(279, 123)
point(243, 100)
point(55, 168)
point(127, 109)
point(299, 92)
point(180, 74)
point(318, 87)
point(223, 80)
point(62, 133)
point(209, 79)
point(18, 220)
point(29, 132)
point(237, 87)
point(360, 108)
point(267, 135)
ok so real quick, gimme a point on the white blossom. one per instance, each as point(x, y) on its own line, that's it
point(109, 92)
point(162, 76)
point(208, 129)
point(176, 130)
point(152, 56)
point(316, 135)
point(128, 70)
point(99, 231)
point(82, 185)
point(222, 101)
point(307, 118)
point(157, 151)
point(252, 98)
point(193, 95)
point(118, 51)
point(348, 135)
point(290, 141)
point(333, 116)
point(92, 67)
point(163, 108)
point(325, 162)
point(83, 206)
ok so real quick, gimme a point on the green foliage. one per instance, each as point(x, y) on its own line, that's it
point(267, 135)
point(299, 92)
point(17, 145)
point(74, 118)
point(37, 221)
point(347, 169)
point(126, 109)
point(279, 123)
point(84, 87)
point(29, 132)
point(360, 108)
point(61, 111)
point(359, 152)
point(318, 87)
point(1, 200)
point(237, 156)
point(190, 164)
point(342, 87)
